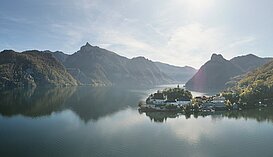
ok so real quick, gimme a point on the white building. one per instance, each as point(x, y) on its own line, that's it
point(183, 103)
point(218, 99)
point(158, 99)
point(219, 102)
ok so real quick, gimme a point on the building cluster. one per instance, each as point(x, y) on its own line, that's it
point(160, 102)
point(159, 99)
point(210, 103)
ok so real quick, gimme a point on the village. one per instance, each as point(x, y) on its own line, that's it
point(175, 100)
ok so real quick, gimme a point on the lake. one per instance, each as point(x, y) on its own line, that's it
point(97, 122)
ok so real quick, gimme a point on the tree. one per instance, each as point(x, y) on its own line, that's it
point(177, 93)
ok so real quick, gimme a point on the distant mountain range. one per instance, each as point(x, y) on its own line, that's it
point(90, 65)
point(178, 74)
point(214, 74)
point(95, 66)
point(249, 62)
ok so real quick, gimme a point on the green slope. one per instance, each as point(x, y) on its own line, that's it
point(32, 68)
point(254, 88)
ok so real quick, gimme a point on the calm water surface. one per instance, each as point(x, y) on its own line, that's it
point(99, 122)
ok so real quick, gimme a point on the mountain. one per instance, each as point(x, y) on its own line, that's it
point(213, 75)
point(249, 62)
point(90, 65)
point(31, 69)
point(178, 74)
point(96, 66)
point(218, 72)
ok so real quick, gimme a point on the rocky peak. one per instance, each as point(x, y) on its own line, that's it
point(88, 48)
point(87, 44)
point(139, 58)
point(217, 57)
point(252, 56)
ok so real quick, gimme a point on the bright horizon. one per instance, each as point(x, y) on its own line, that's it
point(177, 32)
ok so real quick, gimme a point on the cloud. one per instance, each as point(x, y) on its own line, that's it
point(125, 44)
point(72, 35)
point(168, 31)
point(192, 43)
point(244, 40)
point(165, 37)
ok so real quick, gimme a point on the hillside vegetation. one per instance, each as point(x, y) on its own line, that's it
point(255, 87)
point(31, 69)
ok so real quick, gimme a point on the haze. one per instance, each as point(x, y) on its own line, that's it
point(178, 32)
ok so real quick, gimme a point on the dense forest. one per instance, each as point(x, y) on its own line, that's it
point(254, 88)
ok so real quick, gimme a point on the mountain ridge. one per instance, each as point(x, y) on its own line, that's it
point(213, 74)
point(104, 67)
point(216, 72)
point(177, 73)
point(249, 62)
point(101, 57)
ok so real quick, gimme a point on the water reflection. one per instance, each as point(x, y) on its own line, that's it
point(94, 103)
point(160, 117)
point(88, 103)
point(259, 114)
point(87, 121)
point(33, 102)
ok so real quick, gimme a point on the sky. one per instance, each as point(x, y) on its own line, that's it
point(178, 32)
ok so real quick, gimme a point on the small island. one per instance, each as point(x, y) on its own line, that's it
point(170, 99)
point(181, 100)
